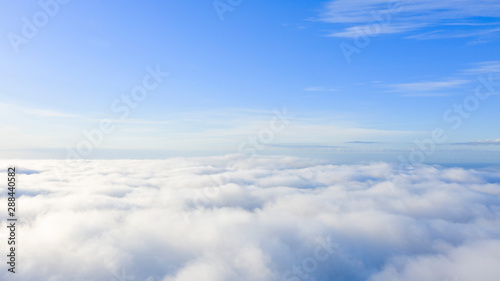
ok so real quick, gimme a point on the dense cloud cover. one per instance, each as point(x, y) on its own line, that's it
point(261, 218)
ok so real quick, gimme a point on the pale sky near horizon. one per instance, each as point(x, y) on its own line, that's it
point(356, 80)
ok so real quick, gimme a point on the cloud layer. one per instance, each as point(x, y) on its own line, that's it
point(261, 218)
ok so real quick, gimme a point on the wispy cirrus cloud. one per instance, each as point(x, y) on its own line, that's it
point(453, 84)
point(373, 29)
point(441, 34)
point(427, 88)
point(320, 89)
point(480, 142)
point(485, 68)
point(405, 16)
point(4, 107)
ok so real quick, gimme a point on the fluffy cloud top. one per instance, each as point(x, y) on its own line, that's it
point(264, 218)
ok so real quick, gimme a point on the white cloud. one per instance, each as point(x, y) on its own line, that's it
point(428, 88)
point(263, 218)
point(10, 108)
point(441, 34)
point(404, 16)
point(471, 261)
point(488, 70)
point(373, 30)
point(480, 142)
point(489, 67)
point(320, 89)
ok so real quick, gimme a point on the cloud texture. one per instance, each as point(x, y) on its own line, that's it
point(454, 18)
point(263, 218)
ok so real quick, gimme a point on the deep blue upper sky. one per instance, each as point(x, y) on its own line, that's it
point(408, 67)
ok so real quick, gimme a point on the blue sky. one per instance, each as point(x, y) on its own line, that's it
point(410, 62)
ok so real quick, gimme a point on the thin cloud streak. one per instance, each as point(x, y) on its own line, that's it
point(480, 142)
point(4, 107)
point(428, 88)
